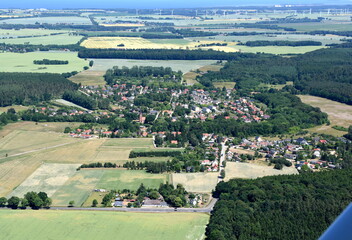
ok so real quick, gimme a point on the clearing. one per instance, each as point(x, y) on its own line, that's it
point(339, 114)
point(250, 170)
point(38, 225)
point(196, 182)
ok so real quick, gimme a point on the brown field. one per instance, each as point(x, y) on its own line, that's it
point(339, 114)
point(196, 182)
point(251, 170)
point(89, 78)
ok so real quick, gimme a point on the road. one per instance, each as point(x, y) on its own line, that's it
point(222, 159)
point(207, 209)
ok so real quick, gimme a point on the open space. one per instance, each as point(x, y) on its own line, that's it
point(50, 224)
point(47, 178)
point(23, 62)
point(141, 43)
point(250, 170)
point(339, 114)
point(196, 182)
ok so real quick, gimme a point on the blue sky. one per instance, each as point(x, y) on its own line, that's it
point(152, 3)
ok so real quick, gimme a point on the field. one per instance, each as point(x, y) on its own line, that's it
point(61, 39)
point(69, 104)
point(82, 183)
point(228, 85)
point(330, 26)
point(278, 49)
point(28, 32)
point(38, 225)
point(339, 114)
point(23, 62)
point(250, 170)
point(190, 77)
point(196, 182)
point(16, 107)
point(49, 20)
point(47, 178)
point(141, 43)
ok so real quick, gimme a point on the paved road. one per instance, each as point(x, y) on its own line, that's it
point(207, 209)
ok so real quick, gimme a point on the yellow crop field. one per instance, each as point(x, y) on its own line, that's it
point(141, 43)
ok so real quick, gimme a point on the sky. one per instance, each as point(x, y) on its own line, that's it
point(59, 4)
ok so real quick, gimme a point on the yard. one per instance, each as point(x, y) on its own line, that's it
point(50, 224)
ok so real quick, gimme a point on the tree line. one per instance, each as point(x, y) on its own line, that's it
point(260, 43)
point(50, 62)
point(279, 207)
point(135, 154)
point(32, 199)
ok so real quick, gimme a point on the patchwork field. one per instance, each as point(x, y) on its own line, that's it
point(47, 178)
point(249, 170)
point(38, 225)
point(23, 62)
point(141, 43)
point(196, 182)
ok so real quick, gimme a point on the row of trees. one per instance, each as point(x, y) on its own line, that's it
point(260, 43)
point(50, 62)
point(134, 154)
point(98, 165)
point(31, 199)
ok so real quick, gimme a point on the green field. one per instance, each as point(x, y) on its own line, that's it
point(130, 179)
point(28, 32)
point(80, 186)
point(49, 20)
point(331, 26)
point(23, 62)
point(62, 39)
point(50, 224)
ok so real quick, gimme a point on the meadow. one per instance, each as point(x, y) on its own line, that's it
point(23, 62)
point(250, 170)
point(339, 114)
point(50, 224)
point(47, 178)
point(62, 39)
point(196, 182)
point(50, 20)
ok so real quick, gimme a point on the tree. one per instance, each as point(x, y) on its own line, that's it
point(91, 63)
point(67, 130)
point(47, 203)
point(71, 203)
point(13, 202)
point(3, 201)
point(154, 195)
point(95, 203)
point(34, 200)
point(222, 173)
point(178, 202)
point(24, 203)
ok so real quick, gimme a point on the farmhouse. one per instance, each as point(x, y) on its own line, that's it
point(154, 203)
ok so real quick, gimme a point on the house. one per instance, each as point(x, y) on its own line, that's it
point(118, 203)
point(154, 203)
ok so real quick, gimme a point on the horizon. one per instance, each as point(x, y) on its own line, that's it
point(145, 4)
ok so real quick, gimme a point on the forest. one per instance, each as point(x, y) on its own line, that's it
point(279, 207)
point(282, 43)
point(324, 73)
point(162, 54)
point(29, 88)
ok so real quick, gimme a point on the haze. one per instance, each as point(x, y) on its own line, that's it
point(152, 3)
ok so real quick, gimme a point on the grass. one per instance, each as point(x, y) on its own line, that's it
point(339, 114)
point(69, 104)
point(89, 78)
point(251, 170)
point(190, 77)
point(141, 43)
point(279, 49)
point(16, 107)
point(196, 182)
point(61, 39)
point(28, 32)
point(50, 20)
point(38, 225)
point(47, 178)
point(129, 179)
point(78, 187)
point(228, 85)
point(23, 62)
point(129, 143)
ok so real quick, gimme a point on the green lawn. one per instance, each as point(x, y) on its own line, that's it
point(23, 62)
point(129, 179)
point(50, 224)
point(61, 39)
